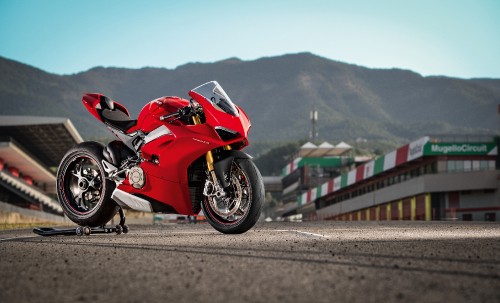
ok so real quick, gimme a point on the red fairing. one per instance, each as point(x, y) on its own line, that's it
point(90, 101)
point(175, 152)
point(215, 117)
point(148, 118)
point(165, 158)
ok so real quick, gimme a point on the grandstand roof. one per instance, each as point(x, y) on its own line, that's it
point(45, 139)
point(323, 150)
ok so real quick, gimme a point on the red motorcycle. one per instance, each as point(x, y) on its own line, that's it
point(178, 157)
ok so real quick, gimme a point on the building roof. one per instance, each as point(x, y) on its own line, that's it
point(343, 145)
point(325, 149)
point(46, 139)
point(308, 145)
point(326, 145)
point(310, 150)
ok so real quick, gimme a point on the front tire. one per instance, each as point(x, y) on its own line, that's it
point(82, 187)
point(241, 208)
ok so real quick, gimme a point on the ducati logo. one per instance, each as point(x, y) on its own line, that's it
point(201, 141)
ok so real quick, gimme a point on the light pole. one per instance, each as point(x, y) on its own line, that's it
point(314, 119)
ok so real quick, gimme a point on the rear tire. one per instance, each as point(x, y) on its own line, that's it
point(82, 188)
point(241, 215)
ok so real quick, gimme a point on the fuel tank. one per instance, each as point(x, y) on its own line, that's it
point(149, 117)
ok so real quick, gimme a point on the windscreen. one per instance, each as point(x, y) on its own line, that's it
point(213, 92)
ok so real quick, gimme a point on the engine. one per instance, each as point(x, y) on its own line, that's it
point(125, 163)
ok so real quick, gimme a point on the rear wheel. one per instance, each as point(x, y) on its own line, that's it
point(240, 209)
point(82, 187)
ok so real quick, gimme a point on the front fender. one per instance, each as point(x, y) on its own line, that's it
point(222, 164)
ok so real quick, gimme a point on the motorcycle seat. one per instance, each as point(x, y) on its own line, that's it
point(118, 119)
point(114, 116)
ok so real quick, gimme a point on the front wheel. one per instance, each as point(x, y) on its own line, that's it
point(240, 209)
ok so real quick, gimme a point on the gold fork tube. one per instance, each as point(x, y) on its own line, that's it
point(209, 157)
point(210, 160)
point(196, 119)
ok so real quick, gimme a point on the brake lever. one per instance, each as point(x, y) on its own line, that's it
point(170, 122)
point(162, 118)
point(181, 112)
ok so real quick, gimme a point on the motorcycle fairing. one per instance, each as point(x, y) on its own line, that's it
point(240, 123)
point(168, 155)
point(163, 195)
point(149, 116)
point(168, 180)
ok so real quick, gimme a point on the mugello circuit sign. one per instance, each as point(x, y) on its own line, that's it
point(459, 148)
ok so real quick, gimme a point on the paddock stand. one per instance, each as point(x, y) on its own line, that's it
point(84, 230)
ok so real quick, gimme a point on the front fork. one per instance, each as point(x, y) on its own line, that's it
point(209, 156)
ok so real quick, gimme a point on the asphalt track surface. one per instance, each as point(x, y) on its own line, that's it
point(274, 262)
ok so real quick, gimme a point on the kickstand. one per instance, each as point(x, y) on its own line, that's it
point(122, 216)
point(122, 227)
point(84, 230)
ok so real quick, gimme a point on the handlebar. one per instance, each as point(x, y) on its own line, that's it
point(187, 111)
point(169, 116)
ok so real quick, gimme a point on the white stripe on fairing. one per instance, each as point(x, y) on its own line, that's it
point(130, 201)
point(157, 133)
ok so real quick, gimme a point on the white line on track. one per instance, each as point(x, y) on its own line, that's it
point(330, 230)
point(308, 233)
point(299, 232)
point(17, 238)
point(171, 232)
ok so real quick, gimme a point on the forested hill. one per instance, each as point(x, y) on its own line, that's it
point(277, 93)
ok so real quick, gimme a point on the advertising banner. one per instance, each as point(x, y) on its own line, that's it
point(416, 148)
point(457, 149)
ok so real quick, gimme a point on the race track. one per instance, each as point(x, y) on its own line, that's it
point(274, 262)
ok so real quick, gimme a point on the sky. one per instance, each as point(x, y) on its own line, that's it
point(458, 38)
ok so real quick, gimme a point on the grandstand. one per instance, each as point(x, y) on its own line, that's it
point(30, 151)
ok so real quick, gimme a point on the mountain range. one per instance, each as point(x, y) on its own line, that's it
point(277, 93)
